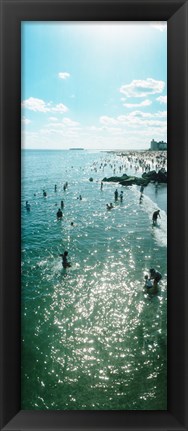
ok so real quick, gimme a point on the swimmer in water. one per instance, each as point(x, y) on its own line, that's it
point(148, 282)
point(28, 206)
point(155, 276)
point(65, 263)
point(109, 207)
point(59, 213)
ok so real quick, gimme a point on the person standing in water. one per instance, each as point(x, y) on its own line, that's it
point(59, 214)
point(65, 263)
point(155, 276)
point(116, 195)
point(154, 217)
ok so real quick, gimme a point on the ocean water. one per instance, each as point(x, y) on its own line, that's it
point(92, 339)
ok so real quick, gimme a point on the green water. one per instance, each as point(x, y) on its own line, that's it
point(91, 338)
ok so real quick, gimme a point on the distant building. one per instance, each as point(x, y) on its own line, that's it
point(156, 146)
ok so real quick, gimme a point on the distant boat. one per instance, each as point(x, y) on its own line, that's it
point(77, 148)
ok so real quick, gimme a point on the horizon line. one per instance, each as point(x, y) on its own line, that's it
point(88, 149)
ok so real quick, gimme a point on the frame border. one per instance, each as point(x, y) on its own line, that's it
point(176, 14)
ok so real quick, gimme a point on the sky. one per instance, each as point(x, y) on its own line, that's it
point(96, 85)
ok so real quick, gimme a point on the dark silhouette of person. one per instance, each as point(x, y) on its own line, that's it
point(116, 195)
point(65, 263)
point(156, 214)
point(59, 213)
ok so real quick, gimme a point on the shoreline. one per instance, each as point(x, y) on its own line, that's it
point(159, 197)
point(139, 162)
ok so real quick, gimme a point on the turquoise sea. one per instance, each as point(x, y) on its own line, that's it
point(92, 339)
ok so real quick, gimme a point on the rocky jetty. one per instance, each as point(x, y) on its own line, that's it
point(145, 179)
point(160, 176)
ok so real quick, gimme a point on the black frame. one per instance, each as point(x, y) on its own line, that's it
point(176, 14)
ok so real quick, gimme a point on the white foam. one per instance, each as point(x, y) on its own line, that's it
point(160, 230)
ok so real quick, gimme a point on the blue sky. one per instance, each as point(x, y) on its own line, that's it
point(97, 85)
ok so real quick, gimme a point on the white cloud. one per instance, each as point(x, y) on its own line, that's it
point(141, 88)
point(136, 119)
point(59, 108)
point(108, 121)
point(56, 130)
point(115, 130)
point(52, 118)
point(137, 105)
point(38, 105)
point(25, 121)
point(107, 140)
point(66, 122)
point(69, 122)
point(162, 99)
point(137, 127)
point(94, 129)
point(63, 75)
point(140, 114)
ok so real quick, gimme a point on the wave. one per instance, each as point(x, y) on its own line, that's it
point(159, 231)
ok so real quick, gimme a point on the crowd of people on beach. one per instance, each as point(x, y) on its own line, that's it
point(143, 162)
